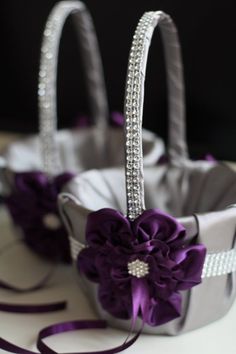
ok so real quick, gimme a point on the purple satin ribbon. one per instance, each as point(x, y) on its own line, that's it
point(12, 348)
point(68, 327)
point(140, 300)
point(34, 308)
point(140, 303)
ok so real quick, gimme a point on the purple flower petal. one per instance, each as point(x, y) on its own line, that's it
point(161, 311)
point(34, 197)
point(116, 301)
point(155, 224)
point(108, 225)
point(189, 266)
point(89, 269)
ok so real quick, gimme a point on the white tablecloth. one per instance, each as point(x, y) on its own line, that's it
point(19, 265)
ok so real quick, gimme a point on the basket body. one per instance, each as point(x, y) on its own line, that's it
point(197, 195)
point(212, 224)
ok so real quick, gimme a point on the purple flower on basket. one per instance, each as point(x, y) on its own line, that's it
point(33, 207)
point(142, 265)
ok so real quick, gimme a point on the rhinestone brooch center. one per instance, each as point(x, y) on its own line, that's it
point(138, 269)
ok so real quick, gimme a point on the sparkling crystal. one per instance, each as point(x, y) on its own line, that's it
point(136, 142)
point(131, 66)
point(47, 32)
point(138, 269)
point(129, 157)
point(129, 166)
point(41, 92)
point(42, 73)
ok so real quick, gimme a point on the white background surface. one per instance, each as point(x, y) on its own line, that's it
point(19, 265)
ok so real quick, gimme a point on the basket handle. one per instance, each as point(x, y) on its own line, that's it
point(47, 85)
point(134, 99)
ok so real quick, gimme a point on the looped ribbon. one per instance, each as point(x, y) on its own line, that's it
point(63, 328)
point(140, 301)
point(140, 304)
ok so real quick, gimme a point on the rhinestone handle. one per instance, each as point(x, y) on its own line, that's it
point(134, 99)
point(47, 87)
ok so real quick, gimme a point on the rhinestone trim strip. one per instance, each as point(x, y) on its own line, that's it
point(221, 263)
point(134, 98)
point(47, 85)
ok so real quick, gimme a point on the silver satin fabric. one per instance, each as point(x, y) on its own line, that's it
point(199, 195)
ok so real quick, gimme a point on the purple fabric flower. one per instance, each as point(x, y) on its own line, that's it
point(33, 207)
point(142, 265)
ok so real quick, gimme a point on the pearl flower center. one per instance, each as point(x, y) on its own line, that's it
point(138, 268)
point(51, 221)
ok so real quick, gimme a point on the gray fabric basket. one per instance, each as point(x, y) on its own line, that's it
point(200, 194)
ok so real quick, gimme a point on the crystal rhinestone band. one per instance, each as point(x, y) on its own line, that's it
point(219, 263)
point(134, 103)
point(47, 85)
point(216, 264)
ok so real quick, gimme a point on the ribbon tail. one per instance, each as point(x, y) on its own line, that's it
point(140, 300)
point(78, 325)
point(34, 308)
point(12, 348)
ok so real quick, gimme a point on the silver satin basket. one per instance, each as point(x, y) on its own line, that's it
point(200, 194)
point(75, 150)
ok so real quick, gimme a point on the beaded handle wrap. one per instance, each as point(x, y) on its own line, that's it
point(134, 98)
point(47, 86)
